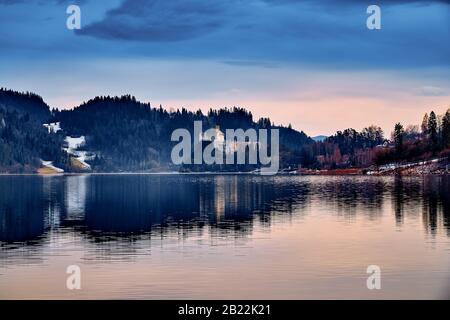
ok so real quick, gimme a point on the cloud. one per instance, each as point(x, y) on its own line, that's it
point(249, 63)
point(285, 31)
point(264, 33)
point(431, 91)
point(159, 20)
point(356, 2)
point(14, 2)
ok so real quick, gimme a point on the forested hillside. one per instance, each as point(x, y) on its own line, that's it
point(123, 134)
point(129, 135)
point(24, 142)
point(25, 103)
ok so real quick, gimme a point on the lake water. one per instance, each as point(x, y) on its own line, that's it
point(224, 237)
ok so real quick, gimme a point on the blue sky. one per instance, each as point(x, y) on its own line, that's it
point(310, 63)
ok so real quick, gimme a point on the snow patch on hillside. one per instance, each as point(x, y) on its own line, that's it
point(49, 165)
point(75, 143)
point(82, 156)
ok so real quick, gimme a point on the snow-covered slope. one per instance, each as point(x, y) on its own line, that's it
point(81, 156)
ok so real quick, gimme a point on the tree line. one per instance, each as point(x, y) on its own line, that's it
point(128, 135)
point(430, 139)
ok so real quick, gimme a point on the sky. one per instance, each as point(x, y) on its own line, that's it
point(312, 64)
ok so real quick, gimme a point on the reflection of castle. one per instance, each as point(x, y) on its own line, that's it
point(221, 199)
point(76, 197)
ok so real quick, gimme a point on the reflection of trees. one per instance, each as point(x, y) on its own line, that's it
point(21, 208)
point(350, 194)
point(436, 204)
point(407, 197)
point(445, 199)
point(432, 194)
point(132, 207)
point(399, 199)
point(138, 204)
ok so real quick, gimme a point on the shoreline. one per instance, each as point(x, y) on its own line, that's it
point(163, 173)
point(433, 167)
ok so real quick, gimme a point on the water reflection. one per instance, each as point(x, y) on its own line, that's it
point(104, 207)
point(436, 205)
point(23, 209)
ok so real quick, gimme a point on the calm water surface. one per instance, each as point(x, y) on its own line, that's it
point(205, 237)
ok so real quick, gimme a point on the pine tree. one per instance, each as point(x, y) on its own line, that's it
point(424, 126)
point(446, 129)
point(398, 137)
point(432, 131)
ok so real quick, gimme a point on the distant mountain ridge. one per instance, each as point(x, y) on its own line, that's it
point(319, 138)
